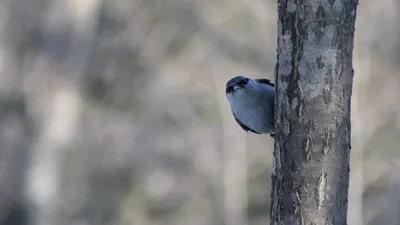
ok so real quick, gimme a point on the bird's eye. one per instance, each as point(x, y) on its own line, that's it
point(229, 89)
point(244, 81)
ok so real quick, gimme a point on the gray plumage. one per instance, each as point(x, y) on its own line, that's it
point(252, 103)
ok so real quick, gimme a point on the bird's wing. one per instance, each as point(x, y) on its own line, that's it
point(246, 128)
point(265, 81)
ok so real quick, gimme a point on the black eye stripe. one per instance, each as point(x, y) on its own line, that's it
point(229, 89)
point(243, 82)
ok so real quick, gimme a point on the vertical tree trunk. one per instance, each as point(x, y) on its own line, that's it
point(314, 84)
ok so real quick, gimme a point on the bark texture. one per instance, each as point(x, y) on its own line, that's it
point(314, 85)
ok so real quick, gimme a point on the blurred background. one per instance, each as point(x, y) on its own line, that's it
point(114, 112)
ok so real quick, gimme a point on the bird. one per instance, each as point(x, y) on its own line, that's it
point(252, 103)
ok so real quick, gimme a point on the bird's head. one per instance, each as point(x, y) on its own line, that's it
point(238, 84)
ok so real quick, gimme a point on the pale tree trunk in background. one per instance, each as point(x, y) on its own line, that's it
point(314, 86)
point(15, 124)
point(233, 164)
point(53, 86)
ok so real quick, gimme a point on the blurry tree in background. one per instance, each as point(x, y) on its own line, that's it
point(114, 112)
point(314, 84)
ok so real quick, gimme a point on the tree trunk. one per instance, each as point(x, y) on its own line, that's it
point(314, 84)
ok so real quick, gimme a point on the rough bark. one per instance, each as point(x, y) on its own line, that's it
point(314, 85)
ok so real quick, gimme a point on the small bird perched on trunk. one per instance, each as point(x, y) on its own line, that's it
point(252, 103)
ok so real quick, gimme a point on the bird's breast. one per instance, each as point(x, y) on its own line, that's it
point(254, 112)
